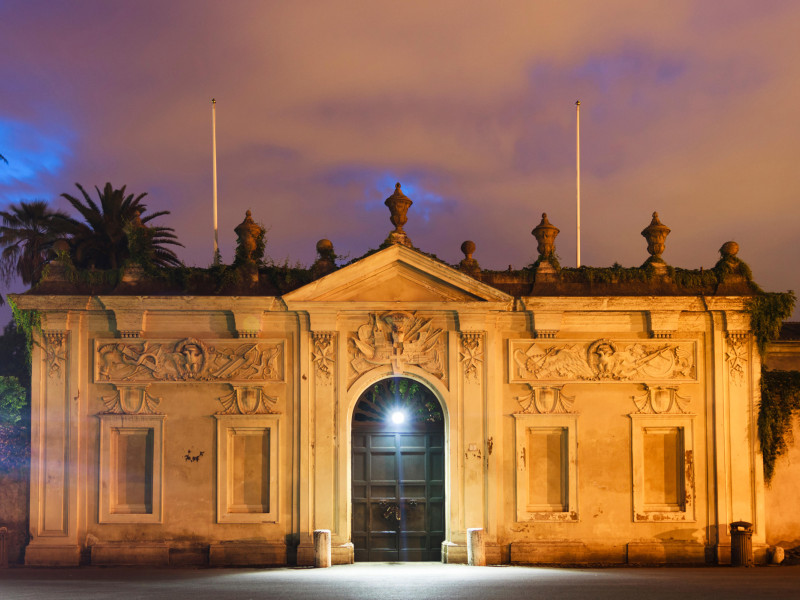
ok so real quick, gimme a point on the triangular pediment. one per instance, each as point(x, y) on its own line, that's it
point(397, 274)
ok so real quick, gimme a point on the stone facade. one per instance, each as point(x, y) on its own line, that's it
point(187, 429)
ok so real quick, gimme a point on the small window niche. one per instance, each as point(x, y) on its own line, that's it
point(247, 463)
point(663, 468)
point(131, 465)
point(546, 487)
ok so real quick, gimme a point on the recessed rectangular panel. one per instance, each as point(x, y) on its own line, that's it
point(383, 441)
point(249, 471)
point(383, 467)
point(663, 467)
point(133, 450)
point(412, 467)
point(547, 468)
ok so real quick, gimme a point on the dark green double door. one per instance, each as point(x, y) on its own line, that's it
point(398, 495)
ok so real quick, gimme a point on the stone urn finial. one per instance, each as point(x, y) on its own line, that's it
point(398, 204)
point(250, 236)
point(545, 234)
point(656, 234)
point(469, 265)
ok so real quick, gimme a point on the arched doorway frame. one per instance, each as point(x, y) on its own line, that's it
point(359, 386)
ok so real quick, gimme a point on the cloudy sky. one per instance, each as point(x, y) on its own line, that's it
point(689, 108)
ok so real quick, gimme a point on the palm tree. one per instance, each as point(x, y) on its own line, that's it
point(103, 240)
point(27, 236)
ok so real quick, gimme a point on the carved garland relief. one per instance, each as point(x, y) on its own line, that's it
point(397, 338)
point(601, 360)
point(131, 400)
point(188, 359)
point(661, 400)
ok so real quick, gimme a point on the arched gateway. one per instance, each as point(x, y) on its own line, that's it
point(398, 474)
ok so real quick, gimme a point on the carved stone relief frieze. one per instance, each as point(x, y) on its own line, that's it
point(602, 360)
point(545, 401)
point(736, 355)
point(322, 355)
point(397, 338)
point(131, 400)
point(55, 352)
point(472, 355)
point(247, 400)
point(661, 400)
point(189, 359)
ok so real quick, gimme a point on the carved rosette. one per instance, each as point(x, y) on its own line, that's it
point(55, 352)
point(602, 360)
point(189, 359)
point(661, 400)
point(472, 355)
point(323, 355)
point(545, 401)
point(397, 339)
point(131, 400)
point(247, 400)
point(736, 355)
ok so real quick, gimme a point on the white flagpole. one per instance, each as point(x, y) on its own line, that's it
point(578, 177)
point(214, 175)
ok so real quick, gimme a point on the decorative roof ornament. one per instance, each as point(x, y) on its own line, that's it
point(469, 265)
point(249, 245)
point(545, 234)
point(326, 258)
point(656, 234)
point(398, 204)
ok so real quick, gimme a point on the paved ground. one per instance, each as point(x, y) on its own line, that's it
point(395, 581)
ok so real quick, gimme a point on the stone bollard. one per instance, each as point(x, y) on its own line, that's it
point(3, 547)
point(476, 550)
point(776, 555)
point(322, 548)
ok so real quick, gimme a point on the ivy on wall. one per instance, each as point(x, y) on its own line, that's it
point(780, 400)
point(767, 311)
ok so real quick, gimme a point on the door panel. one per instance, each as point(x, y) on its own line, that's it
point(398, 496)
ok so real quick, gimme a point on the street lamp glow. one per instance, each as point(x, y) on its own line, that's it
point(398, 417)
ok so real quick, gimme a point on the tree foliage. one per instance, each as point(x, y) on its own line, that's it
point(27, 235)
point(103, 239)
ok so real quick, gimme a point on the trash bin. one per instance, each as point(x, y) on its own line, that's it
point(741, 544)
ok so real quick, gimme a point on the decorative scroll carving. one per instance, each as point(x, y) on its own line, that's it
point(602, 360)
point(545, 401)
point(736, 356)
point(131, 400)
point(189, 359)
point(660, 400)
point(472, 354)
point(322, 355)
point(397, 338)
point(55, 352)
point(247, 400)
